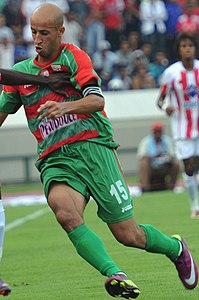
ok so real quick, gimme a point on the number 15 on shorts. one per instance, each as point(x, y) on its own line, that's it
point(119, 191)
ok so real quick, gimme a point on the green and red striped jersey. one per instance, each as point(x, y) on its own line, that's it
point(70, 128)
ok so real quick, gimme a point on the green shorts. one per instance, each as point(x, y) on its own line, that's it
point(94, 171)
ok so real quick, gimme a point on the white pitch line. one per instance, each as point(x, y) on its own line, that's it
point(21, 221)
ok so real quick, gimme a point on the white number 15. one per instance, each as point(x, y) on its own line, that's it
point(119, 191)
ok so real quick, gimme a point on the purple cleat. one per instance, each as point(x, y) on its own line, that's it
point(5, 289)
point(186, 266)
point(120, 286)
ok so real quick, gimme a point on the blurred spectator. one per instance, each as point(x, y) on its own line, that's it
point(125, 54)
point(188, 22)
point(139, 58)
point(157, 167)
point(134, 40)
point(105, 60)
point(6, 53)
point(73, 31)
point(20, 50)
point(95, 29)
point(11, 13)
point(147, 50)
point(174, 10)
point(5, 31)
point(7, 40)
point(81, 8)
point(105, 78)
point(113, 21)
point(153, 15)
point(143, 79)
point(131, 17)
point(121, 81)
point(157, 67)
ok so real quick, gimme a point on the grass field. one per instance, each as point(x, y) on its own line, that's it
point(40, 263)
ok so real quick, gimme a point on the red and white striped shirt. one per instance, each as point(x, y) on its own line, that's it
point(182, 86)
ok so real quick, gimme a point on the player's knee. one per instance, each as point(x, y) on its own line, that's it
point(68, 220)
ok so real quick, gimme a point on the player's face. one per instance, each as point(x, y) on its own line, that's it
point(187, 50)
point(46, 37)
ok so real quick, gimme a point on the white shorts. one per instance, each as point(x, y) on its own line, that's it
point(186, 148)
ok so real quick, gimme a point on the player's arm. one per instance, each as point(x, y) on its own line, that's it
point(169, 109)
point(92, 101)
point(12, 77)
point(55, 81)
point(3, 116)
point(161, 98)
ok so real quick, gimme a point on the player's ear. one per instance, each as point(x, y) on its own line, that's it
point(61, 31)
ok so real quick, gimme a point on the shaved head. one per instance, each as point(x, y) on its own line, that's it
point(49, 12)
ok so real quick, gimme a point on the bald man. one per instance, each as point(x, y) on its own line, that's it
point(77, 157)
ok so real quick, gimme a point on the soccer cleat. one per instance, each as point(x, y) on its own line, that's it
point(120, 286)
point(5, 289)
point(195, 214)
point(186, 266)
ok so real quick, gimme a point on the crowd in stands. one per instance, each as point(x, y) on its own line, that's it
point(130, 42)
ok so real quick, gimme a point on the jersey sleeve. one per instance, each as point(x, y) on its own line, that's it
point(166, 81)
point(10, 101)
point(82, 71)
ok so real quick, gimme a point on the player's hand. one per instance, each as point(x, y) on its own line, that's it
point(57, 81)
point(52, 110)
point(170, 110)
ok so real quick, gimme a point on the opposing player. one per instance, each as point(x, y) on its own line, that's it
point(180, 82)
point(77, 157)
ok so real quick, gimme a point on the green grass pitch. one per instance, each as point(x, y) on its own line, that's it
point(40, 263)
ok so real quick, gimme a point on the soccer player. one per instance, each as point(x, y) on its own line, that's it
point(77, 157)
point(180, 82)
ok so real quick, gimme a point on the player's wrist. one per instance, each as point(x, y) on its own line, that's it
point(164, 106)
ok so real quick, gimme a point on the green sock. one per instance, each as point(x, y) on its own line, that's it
point(91, 248)
point(158, 242)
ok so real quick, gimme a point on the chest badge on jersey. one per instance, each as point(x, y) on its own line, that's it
point(192, 90)
point(56, 68)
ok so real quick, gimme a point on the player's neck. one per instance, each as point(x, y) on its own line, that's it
point(188, 64)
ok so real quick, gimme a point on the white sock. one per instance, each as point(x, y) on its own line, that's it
point(192, 189)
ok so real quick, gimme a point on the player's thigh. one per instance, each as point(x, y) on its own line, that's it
point(108, 185)
point(61, 168)
point(63, 197)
